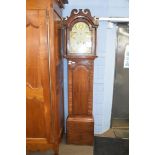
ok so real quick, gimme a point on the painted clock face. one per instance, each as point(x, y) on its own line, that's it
point(80, 39)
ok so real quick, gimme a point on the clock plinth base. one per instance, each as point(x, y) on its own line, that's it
point(80, 130)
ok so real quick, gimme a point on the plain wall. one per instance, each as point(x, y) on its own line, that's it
point(104, 65)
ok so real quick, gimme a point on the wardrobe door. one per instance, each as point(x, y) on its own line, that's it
point(37, 78)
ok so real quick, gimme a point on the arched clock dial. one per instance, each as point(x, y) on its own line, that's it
point(80, 38)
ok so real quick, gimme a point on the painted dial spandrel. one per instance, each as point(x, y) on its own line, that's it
point(80, 39)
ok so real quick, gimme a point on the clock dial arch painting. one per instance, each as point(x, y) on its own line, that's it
point(80, 38)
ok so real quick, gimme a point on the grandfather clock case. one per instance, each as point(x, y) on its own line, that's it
point(80, 34)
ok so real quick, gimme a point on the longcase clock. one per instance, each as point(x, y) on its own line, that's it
point(80, 34)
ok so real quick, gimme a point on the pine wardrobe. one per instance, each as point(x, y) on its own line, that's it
point(44, 74)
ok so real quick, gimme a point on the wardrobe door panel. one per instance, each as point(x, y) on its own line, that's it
point(37, 76)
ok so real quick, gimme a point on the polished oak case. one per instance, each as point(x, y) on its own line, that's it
point(44, 75)
point(80, 52)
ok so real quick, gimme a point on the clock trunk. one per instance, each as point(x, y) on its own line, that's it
point(80, 122)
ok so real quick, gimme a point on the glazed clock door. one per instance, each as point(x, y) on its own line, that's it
point(37, 78)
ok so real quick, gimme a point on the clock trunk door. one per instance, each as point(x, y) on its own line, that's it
point(79, 83)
